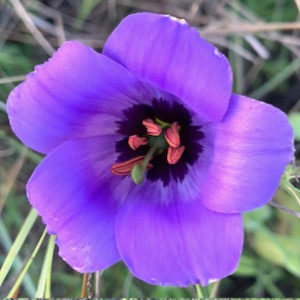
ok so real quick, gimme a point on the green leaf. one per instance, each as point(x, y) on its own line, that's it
point(277, 80)
point(292, 250)
point(247, 267)
point(294, 119)
point(43, 289)
point(255, 219)
point(86, 8)
point(278, 249)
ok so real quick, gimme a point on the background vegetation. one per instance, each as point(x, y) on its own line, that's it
point(262, 41)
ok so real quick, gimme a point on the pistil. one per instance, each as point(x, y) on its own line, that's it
point(160, 137)
point(138, 171)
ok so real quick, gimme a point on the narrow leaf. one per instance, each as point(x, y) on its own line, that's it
point(18, 243)
point(46, 270)
point(24, 271)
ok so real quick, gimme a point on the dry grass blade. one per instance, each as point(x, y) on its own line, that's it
point(59, 28)
point(12, 176)
point(283, 208)
point(251, 28)
point(12, 79)
point(3, 108)
point(24, 16)
point(298, 4)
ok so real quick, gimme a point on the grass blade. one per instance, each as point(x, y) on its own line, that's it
point(18, 243)
point(17, 265)
point(44, 285)
point(24, 271)
point(287, 72)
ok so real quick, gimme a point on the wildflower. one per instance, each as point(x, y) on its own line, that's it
point(150, 158)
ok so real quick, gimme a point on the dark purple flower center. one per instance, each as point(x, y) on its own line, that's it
point(160, 137)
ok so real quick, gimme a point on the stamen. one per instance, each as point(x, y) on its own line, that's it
point(152, 128)
point(172, 135)
point(125, 168)
point(174, 154)
point(135, 141)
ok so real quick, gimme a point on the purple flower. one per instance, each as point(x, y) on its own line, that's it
point(150, 158)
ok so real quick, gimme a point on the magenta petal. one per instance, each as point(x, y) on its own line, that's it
point(170, 55)
point(249, 151)
point(74, 94)
point(77, 197)
point(177, 244)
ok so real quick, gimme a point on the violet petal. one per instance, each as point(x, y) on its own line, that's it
point(177, 244)
point(170, 55)
point(77, 197)
point(74, 94)
point(248, 151)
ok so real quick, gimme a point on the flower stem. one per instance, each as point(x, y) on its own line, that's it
point(97, 284)
point(83, 286)
point(201, 291)
point(214, 291)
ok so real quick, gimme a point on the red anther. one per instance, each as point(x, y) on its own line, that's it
point(124, 168)
point(135, 141)
point(172, 135)
point(152, 128)
point(174, 154)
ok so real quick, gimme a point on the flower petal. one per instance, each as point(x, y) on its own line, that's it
point(78, 198)
point(177, 244)
point(74, 94)
point(170, 55)
point(249, 152)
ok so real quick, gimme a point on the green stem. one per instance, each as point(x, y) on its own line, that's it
point(202, 291)
point(199, 291)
